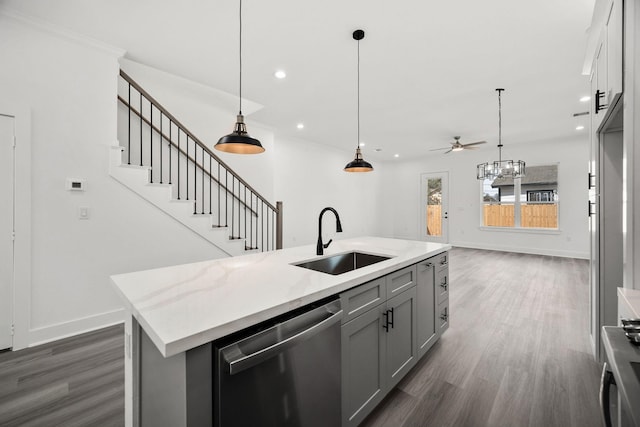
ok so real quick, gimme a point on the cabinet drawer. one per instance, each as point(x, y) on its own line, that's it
point(362, 298)
point(400, 280)
point(443, 317)
point(442, 285)
point(441, 261)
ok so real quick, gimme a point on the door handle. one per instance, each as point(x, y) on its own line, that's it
point(600, 94)
point(238, 361)
point(606, 382)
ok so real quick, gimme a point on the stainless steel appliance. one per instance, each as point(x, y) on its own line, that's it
point(283, 376)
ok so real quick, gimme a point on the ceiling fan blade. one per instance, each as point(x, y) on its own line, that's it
point(474, 143)
point(439, 149)
point(450, 150)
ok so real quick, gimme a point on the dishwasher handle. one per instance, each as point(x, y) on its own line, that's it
point(606, 382)
point(239, 364)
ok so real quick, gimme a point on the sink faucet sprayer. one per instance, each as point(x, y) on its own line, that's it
point(319, 249)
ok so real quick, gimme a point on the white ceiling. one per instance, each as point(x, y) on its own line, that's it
point(428, 68)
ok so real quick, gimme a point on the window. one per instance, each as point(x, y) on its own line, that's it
point(527, 202)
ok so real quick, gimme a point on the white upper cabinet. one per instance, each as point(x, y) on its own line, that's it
point(606, 66)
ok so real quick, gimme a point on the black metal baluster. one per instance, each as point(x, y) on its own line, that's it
point(233, 193)
point(129, 141)
point(151, 139)
point(211, 183)
point(226, 198)
point(161, 141)
point(245, 214)
point(262, 225)
point(219, 194)
point(267, 221)
point(178, 162)
point(170, 148)
point(202, 188)
point(251, 220)
point(141, 129)
point(186, 158)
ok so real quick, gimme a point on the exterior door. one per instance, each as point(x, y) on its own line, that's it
point(6, 229)
point(435, 207)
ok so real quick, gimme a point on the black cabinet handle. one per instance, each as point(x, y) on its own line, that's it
point(589, 211)
point(386, 321)
point(599, 94)
point(444, 284)
point(391, 322)
point(591, 179)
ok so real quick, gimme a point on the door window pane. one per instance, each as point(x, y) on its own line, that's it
point(434, 207)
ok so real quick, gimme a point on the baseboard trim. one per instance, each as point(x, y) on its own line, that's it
point(524, 250)
point(58, 331)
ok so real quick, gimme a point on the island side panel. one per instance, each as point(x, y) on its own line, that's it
point(162, 390)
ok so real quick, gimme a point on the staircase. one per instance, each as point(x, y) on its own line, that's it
point(164, 163)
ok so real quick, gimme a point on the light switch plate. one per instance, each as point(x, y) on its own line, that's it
point(83, 212)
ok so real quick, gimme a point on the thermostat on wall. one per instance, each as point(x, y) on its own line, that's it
point(74, 184)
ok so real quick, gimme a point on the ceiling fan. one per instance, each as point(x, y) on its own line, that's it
point(457, 146)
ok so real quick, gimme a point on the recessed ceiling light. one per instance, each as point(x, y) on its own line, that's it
point(580, 127)
point(280, 74)
point(300, 126)
point(396, 155)
point(585, 99)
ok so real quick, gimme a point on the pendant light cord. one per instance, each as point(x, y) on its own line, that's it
point(358, 141)
point(240, 54)
point(500, 124)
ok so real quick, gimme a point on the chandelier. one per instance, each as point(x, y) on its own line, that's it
point(500, 168)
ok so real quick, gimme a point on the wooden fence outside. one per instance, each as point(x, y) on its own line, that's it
point(531, 215)
point(434, 220)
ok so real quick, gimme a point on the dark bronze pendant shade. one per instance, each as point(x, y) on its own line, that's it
point(239, 141)
point(358, 164)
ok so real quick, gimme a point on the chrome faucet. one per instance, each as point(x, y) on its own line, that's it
point(321, 246)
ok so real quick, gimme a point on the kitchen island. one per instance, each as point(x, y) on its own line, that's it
point(172, 310)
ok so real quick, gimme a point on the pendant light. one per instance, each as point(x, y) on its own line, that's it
point(358, 164)
point(239, 141)
point(500, 168)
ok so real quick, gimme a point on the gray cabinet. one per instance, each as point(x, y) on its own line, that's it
point(425, 306)
point(363, 365)
point(378, 341)
point(400, 336)
point(389, 324)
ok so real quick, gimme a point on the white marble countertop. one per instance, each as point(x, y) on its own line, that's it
point(631, 297)
point(184, 306)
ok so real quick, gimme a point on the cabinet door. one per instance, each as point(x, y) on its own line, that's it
point(425, 307)
point(363, 298)
point(400, 280)
point(614, 49)
point(599, 84)
point(401, 336)
point(443, 317)
point(442, 285)
point(363, 361)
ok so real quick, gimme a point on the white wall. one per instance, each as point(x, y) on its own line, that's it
point(464, 198)
point(310, 177)
point(69, 86)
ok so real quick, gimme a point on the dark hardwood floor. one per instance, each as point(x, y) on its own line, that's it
point(77, 381)
point(516, 354)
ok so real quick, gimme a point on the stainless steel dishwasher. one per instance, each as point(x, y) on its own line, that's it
point(287, 375)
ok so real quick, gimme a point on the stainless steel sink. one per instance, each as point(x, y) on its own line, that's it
point(342, 263)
